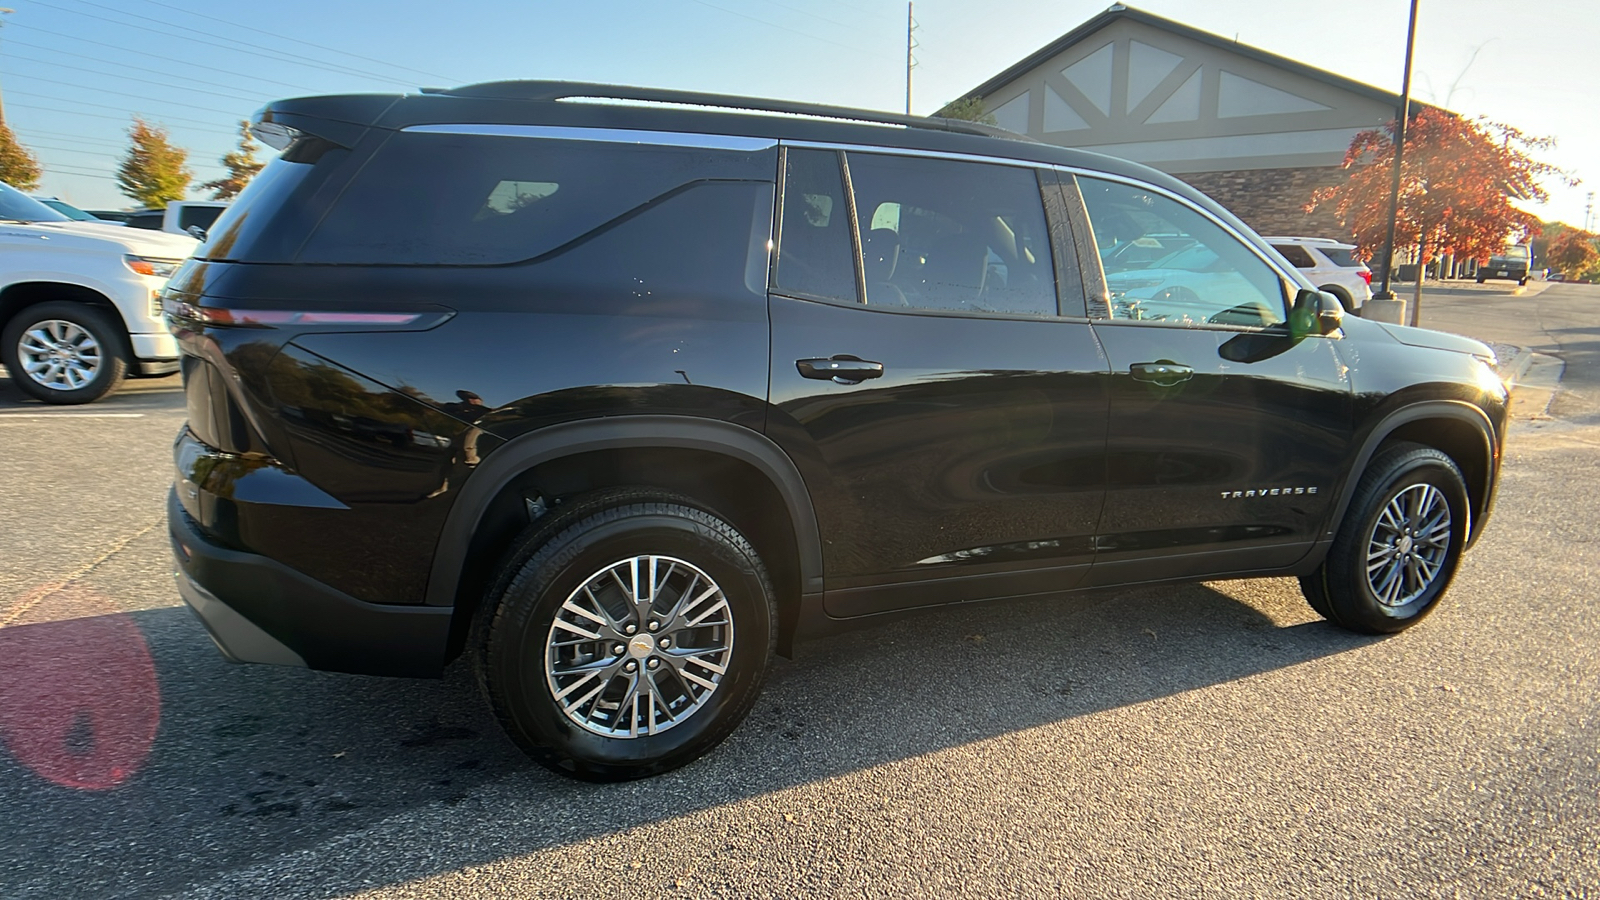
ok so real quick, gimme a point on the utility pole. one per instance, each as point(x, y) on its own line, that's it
point(911, 25)
point(1399, 152)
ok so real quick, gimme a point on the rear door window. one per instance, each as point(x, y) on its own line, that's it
point(948, 235)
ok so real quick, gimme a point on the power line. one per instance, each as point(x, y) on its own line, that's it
point(126, 116)
point(122, 77)
point(803, 12)
point(57, 135)
point(775, 25)
point(99, 90)
point(193, 65)
point(307, 43)
point(273, 55)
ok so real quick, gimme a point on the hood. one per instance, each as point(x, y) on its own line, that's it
point(138, 241)
point(1439, 340)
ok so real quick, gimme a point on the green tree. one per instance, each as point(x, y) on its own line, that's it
point(18, 167)
point(968, 108)
point(154, 172)
point(241, 164)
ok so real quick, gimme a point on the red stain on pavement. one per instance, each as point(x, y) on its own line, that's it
point(79, 701)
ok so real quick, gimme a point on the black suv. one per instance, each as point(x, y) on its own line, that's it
point(617, 399)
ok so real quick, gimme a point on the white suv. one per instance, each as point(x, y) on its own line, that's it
point(80, 304)
point(1331, 266)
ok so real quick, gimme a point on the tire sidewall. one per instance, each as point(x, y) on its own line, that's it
point(518, 645)
point(1362, 607)
point(113, 357)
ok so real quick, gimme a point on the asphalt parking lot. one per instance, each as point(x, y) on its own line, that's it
point(1204, 740)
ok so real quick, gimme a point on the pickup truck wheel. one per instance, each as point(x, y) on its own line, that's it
point(1398, 546)
point(626, 638)
point(60, 352)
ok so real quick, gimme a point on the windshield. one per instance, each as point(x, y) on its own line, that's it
point(70, 211)
point(19, 207)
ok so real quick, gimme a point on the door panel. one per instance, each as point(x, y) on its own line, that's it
point(950, 426)
point(1226, 432)
point(978, 451)
point(1244, 452)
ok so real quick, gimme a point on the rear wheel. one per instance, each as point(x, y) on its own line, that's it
point(626, 637)
point(60, 352)
point(1399, 545)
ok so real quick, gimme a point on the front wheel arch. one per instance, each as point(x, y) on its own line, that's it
point(1458, 429)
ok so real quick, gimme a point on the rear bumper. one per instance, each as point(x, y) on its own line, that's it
point(259, 610)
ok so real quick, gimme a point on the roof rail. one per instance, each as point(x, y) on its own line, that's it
point(577, 90)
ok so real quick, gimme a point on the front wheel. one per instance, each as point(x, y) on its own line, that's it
point(60, 352)
point(1398, 546)
point(627, 637)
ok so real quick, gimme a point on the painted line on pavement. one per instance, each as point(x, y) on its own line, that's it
point(33, 415)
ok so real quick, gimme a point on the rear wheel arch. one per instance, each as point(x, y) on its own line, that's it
point(1458, 429)
point(1341, 292)
point(732, 471)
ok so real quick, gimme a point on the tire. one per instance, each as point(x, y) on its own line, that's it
point(62, 352)
point(1480, 281)
point(547, 640)
point(1406, 486)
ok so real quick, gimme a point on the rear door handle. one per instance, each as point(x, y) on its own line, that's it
point(1163, 372)
point(840, 369)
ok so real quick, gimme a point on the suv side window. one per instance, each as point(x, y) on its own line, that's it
point(1166, 262)
point(947, 235)
point(815, 257)
point(1296, 255)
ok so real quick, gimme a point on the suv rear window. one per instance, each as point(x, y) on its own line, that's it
point(450, 199)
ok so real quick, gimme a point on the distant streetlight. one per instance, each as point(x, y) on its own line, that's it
point(1399, 150)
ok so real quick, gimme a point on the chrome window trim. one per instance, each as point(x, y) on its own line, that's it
point(606, 135)
point(913, 151)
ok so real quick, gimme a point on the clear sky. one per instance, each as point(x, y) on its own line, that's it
point(73, 71)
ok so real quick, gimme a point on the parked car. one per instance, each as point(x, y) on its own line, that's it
point(116, 216)
point(1330, 265)
point(187, 217)
point(1511, 264)
point(654, 391)
point(67, 209)
point(1556, 276)
point(80, 305)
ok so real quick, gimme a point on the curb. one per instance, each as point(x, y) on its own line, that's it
point(1514, 366)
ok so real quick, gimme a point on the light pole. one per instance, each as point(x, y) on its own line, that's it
point(1399, 151)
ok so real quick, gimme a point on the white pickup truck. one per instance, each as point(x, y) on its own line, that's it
point(80, 304)
point(179, 217)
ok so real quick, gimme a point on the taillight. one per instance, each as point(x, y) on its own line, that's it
point(1366, 275)
point(271, 318)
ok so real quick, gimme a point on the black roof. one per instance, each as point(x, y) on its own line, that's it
point(1122, 11)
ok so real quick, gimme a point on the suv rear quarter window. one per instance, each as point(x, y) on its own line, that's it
point(473, 199)
point(1343, 257)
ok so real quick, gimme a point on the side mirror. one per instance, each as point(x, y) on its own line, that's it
point(196, 232)
point(1316, 312)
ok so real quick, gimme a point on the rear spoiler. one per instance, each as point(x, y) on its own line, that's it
point(340, 120)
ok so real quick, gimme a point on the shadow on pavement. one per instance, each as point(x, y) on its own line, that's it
point(134, 395)
point(251, 762)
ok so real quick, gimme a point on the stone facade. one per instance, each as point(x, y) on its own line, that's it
point(1272, 201)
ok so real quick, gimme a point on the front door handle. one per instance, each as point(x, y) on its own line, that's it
point(840, 369)
point(1163, 372)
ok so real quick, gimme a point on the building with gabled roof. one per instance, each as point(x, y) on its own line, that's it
point(1257, 131)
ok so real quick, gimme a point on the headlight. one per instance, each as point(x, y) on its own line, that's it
point(151, 266)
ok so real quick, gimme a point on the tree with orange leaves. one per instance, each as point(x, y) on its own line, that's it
point(1574, 252)
point(1458, 181)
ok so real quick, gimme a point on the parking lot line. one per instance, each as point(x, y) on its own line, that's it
point(69, 415)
